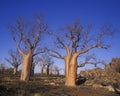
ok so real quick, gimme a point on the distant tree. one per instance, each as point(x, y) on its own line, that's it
point(46, 62)
point(42, 66)
point(56, 70)
point(91, 59)
point(27, 36)
point(15, 59)
point(77, 40)
point(2, 66)
point(51, 69)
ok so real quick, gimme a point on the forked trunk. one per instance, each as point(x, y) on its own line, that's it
point(26, 67)
point(67, 62)
point(71, 71)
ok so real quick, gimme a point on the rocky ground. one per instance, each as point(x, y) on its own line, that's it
point(49, 86)
point(101, 78)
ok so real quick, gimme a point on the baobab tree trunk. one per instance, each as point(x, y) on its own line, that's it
point(41, 71)
point(42, 68)
point(26, 66)
point(71, 70)
point(15, 70)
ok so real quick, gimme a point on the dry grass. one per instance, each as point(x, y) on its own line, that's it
point(15, 88)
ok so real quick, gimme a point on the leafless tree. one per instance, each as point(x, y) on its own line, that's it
point(27, 36)
point(77, 40)
point(91, 59)
point(2, 67)
point(15, 59)
point(42, 66)
point(56, 70)
point(46, 62)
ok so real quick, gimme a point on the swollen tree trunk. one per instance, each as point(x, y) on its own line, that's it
point(71, 70)
point(26, 66)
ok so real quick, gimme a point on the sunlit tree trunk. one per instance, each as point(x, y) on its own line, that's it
point(42, 68)
point(27, 61)
point(71, 70)
point(15, 70)
point(67, 62)
point(28, 41)
point(78, 40)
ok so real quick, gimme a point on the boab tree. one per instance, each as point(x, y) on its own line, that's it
point(15, 60)
point(42, 66)
point(90, 59)
point(56, 70)
point(2, 67)
point(27, 35)
point(46, 62)
point(77, 40)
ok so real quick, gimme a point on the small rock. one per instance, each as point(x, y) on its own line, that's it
point(97, 86)
point(35, 94)
point(52, 83)
point(110, 88)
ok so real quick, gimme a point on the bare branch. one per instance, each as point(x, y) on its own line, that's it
point(15, 58)
point(36, 60)
point(27, 34)
point(9, 61)
point(39, 50)
point(20, 51)
point(55, 54)
point(60, 41)
point(74, 36)
point(86, 50)
point(91, 59)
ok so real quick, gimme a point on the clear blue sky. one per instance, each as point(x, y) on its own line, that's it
point(57, 14)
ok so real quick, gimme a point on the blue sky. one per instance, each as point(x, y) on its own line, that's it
point(58, 13)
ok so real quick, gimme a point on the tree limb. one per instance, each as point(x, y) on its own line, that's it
point(55, 54)
point(90, 60)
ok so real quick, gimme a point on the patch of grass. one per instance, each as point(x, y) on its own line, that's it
point(13, 88)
